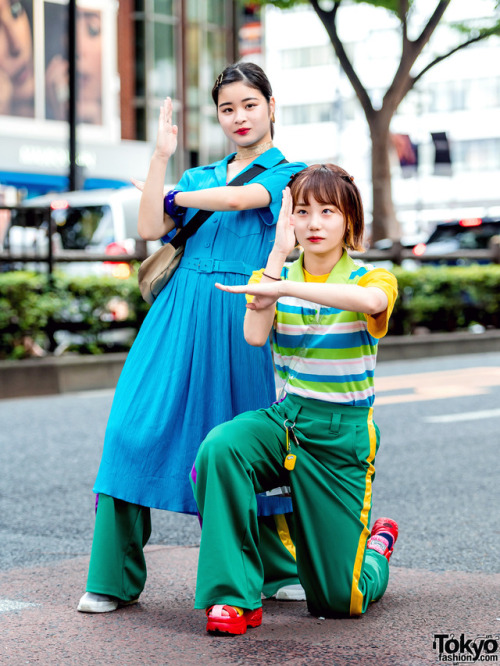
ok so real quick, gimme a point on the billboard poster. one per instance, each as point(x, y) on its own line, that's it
point(88, 63)
point(17, 78)
point(34, 65)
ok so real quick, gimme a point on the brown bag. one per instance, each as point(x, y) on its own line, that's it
point(156, 270)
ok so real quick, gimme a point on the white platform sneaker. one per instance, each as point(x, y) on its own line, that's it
point(101, 603)
point(291, 593)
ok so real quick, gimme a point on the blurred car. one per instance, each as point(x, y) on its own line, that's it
point(473, 233)
point(97, 222)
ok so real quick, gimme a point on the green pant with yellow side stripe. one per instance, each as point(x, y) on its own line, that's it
point(331, 486)
point(117, 562)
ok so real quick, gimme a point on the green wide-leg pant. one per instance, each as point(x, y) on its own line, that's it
point(117, 563)
point(331, 487)
point(118, 567)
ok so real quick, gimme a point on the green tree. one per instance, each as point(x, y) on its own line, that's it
point(408, 72)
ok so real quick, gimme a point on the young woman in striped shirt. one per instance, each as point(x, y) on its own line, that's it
point(326, 313)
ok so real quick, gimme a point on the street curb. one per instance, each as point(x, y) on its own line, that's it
point(401, 347)
point(64, 374)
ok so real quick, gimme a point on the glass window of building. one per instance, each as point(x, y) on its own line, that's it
point(307, 113)
point(307, 56)
point(482, 93)
point(140, 60)
point(209, 48)
point(163, 74)
point(476, 155)
point(180, 48)
point(164, 7)
point(445, 96)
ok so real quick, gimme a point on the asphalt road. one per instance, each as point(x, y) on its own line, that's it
point(437, 475)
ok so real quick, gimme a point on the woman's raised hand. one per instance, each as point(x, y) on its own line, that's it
point(166, 141)
point(140, 185)
point(285, 228)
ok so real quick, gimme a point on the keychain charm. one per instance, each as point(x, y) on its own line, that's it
point(290, 457)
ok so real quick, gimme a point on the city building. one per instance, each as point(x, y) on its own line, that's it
point(130, 56)
point(455, 107)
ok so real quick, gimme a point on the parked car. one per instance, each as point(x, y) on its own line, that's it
point(466, 234)
point(95, 221)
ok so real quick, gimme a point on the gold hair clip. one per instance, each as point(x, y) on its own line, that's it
point(219, 80)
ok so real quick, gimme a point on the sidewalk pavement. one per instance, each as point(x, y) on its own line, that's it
point(39, 623)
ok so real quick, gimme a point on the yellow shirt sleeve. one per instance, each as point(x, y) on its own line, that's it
point(383, 279)
point(255, 278)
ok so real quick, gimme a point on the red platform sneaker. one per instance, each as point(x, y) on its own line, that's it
point(231, 619)
point(383, 536)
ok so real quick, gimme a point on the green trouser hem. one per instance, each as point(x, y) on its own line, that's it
point(117, 565)
point(331, 488)
point(230, 601)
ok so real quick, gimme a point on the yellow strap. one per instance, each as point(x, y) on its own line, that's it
point(284, 533)
point(217, 609)
point(356, 595)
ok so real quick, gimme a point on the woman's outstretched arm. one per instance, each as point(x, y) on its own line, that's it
point(226, 198)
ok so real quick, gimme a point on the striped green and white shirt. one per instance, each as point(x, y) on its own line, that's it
point(330, 354)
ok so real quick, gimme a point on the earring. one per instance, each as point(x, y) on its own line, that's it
point(273, 119)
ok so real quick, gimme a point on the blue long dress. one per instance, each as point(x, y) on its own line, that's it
point(190, 368)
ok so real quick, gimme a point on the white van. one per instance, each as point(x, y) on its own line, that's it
point(95, 221)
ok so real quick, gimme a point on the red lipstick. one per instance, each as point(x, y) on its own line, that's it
point(243, 131)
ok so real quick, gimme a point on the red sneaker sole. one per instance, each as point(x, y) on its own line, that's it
point(220, 626)
point(235, 626)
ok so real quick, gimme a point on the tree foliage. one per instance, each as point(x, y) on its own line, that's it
point(407, 74)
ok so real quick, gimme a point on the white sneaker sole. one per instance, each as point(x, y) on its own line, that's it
point(291, 593)
point(97, 607)
point(102, 606)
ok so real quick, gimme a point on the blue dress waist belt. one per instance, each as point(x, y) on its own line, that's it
point(209, 265)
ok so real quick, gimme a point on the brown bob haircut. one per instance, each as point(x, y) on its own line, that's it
point(330, 184)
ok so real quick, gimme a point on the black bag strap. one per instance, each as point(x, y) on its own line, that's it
point(202, 215)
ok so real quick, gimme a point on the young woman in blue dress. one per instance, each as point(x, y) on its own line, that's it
point(190, 367)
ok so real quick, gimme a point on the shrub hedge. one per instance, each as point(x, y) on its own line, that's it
point(446, 298)
point(34, 308)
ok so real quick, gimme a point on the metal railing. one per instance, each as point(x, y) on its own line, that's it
point(398, 253)
point(40, 218)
